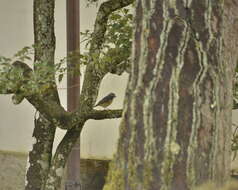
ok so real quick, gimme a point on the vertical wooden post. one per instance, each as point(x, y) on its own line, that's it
point(73, 83)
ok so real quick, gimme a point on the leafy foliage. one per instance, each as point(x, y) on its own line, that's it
point(24, 53)
point(235, 90)
point(118, 40)
point(117, 45)
point(91, 2)
point(22, 80)
point(234, 144)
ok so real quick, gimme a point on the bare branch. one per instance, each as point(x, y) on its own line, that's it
point(104, 114)
point(62, 153)
point(52, 111)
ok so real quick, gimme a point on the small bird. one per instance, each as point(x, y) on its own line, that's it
point(106, 101)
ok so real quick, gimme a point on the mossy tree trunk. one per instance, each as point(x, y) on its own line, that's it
point(39, 159)
point(176, 127)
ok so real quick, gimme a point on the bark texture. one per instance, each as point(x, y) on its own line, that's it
point(175, 132)
point(39, 159)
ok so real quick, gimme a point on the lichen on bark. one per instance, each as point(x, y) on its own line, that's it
point(175, 130)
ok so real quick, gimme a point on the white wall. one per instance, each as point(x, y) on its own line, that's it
point(98, 138)
point(16, 32)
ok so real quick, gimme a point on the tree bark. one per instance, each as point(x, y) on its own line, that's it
point(39, 158)
point(176, 126)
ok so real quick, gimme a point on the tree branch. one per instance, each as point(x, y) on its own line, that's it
point(93, 76)
point(100, 26)
point(61, 155)
point(19, 86)
point(52, 111)
point(104, 114)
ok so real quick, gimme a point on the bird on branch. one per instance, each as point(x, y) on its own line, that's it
point(106, 101)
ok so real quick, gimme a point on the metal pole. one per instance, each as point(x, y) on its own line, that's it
point(73, 83)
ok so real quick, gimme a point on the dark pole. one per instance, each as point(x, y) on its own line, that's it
point(73, 84)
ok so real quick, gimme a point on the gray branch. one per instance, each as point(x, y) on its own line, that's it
point(104, 114)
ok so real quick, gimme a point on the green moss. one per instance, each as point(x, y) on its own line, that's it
point(148, 174)
point(115, 179)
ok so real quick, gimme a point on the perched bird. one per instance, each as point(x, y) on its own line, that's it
point(106, 101)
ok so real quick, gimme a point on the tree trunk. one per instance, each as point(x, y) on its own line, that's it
point(39, 160)
point(175, 132)
point(40, 155)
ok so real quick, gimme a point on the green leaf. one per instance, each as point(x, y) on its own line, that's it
point(60, 77)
